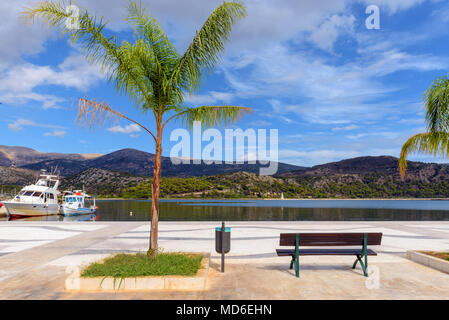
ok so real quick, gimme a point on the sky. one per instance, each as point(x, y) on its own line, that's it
point(310, 69)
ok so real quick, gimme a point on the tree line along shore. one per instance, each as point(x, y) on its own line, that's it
point(244, 185)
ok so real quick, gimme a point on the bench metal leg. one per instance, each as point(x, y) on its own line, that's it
point(363, 265)
point(363, 255)
point(297, 255)
point(295, 262)
point(297, 267)
point(355, 262)
point(366, 263)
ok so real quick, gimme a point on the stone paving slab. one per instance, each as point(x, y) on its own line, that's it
point(253, 271)
point(15, 238)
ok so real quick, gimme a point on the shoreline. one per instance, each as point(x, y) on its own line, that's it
point(286, 199)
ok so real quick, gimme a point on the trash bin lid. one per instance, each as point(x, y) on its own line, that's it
point(227, 229)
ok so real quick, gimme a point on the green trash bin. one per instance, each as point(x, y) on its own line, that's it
point(224, 247)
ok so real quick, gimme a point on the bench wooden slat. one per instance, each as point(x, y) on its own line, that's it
point(297, 240)
point(324, 252)
point(329, 239)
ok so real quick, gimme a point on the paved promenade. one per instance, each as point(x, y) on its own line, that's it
point(34, 258)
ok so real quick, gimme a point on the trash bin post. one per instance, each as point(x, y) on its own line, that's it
point(222, 242)
point(222, 246)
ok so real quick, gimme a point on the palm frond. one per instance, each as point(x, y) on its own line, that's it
point(436, 99)
point(433, 143)
point(210, 116)
point(139, 62)
point(51, 12)
point(147, 28)
point(204, 51)
point(92, 113)
point(97, 48)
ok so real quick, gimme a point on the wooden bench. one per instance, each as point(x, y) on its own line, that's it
point(329, 240)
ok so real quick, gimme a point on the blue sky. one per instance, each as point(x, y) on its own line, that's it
point(310, 69)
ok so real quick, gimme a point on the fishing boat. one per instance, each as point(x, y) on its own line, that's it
point(75, 203)
point(38, 199)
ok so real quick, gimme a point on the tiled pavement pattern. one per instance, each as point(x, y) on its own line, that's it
point(35, 257)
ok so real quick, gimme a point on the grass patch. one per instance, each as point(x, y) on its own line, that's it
point(440, 255)
point(141, 265)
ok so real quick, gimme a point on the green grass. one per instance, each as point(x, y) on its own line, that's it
point(140, 265)
point(440, 255)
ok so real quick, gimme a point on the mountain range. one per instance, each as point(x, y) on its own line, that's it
point(119, 174)
point(125, 160)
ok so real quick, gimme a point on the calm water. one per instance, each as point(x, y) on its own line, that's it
point(259, 210)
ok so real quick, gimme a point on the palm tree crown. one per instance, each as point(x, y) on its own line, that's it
point(150, 71)
point(436, 140)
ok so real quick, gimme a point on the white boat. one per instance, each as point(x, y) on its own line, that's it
point(39, 199)
point(2, 210)
point(75, 204)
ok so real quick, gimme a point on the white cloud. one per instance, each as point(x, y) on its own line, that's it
point(324, 20)
point(129, 129)
point(19, 125)
point(394, 6)
point(329, 93)
point(56, 133)
point(73, 72)
point(19, 38)
point(181, 19)
point(211, 98)
point(329, 31)
point(346, 128)
point(19, 82)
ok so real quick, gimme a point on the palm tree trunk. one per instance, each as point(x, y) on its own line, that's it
point(155, 195)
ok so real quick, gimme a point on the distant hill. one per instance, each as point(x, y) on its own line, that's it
point(99, 181)
point(17, 176)
point(372, 177)
point(142, 163)
point(384, 165)
point(21, 156)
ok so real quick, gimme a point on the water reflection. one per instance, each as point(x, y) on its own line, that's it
point(262, 210)
point(84, 217)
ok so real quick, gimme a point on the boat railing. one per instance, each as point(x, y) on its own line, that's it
point(31, 200)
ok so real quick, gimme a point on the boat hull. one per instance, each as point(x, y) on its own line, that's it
point(19, 209)
point(66, 211)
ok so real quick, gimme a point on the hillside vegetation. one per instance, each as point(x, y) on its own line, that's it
point(365, 177)
point(249, 185)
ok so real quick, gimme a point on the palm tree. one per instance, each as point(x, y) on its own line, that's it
point(436, 140)
point(150, 72)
